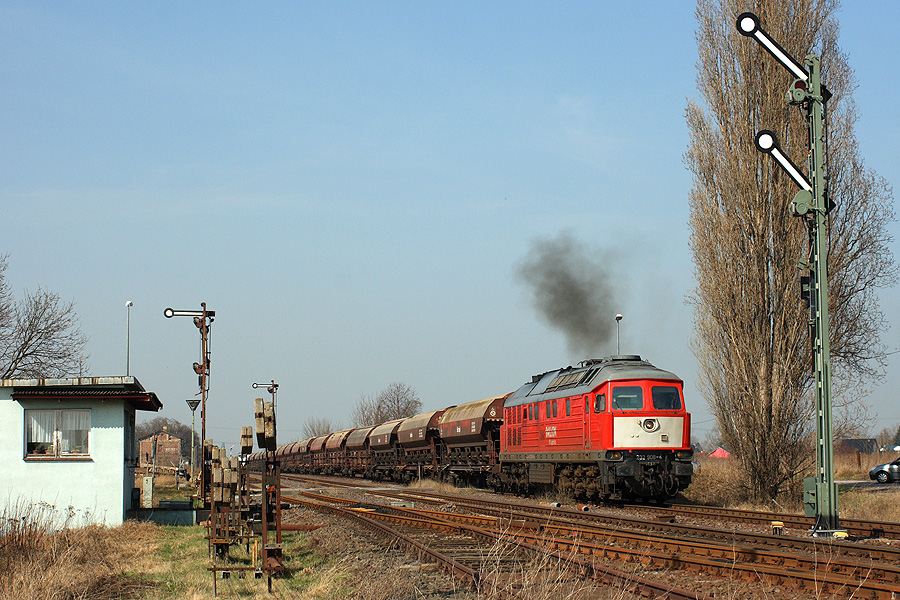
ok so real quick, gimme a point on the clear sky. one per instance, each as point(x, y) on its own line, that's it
point(353, 186)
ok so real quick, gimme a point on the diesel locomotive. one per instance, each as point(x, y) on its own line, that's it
point(608, 428)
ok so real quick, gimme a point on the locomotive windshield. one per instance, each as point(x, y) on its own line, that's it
point(666, 397)
point(628, 398)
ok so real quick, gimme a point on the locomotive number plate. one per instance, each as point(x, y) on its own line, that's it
point(647, 457)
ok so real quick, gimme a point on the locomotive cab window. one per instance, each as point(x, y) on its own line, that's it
point(599, 403)
point(628, 398)
point(665, 397)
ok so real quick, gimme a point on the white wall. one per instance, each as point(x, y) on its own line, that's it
point(86, 491)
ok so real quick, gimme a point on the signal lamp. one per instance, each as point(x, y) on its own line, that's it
point(797, 93)
point(801, 203)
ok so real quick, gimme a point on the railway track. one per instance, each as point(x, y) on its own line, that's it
point(842, 569)
point(491, 557)
point(662, 522)
point(855, 527)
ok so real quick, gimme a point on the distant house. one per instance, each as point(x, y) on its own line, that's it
point(67, 446)
point(720, 453)
point(167, 450)
point(864, 445)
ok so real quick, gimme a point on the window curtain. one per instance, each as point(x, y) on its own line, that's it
point(41, 427)
point(75, 426)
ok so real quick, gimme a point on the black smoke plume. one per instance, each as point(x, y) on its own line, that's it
point(571, 290)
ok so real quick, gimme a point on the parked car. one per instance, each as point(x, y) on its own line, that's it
point(887, 472)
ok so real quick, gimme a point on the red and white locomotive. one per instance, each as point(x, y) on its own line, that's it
point(612, 427)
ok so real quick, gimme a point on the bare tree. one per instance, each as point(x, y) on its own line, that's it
point(39, 335)
point(887, 436)
point(396, 401)
point(752, 337)
point(316, 426)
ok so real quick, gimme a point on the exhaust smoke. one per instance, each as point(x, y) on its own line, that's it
point(571, 290)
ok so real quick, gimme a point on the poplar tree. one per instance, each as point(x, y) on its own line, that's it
point(752, 336)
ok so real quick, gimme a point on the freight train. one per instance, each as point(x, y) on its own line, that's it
point(608, 428)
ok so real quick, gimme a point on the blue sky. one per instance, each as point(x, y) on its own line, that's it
point(351, 187)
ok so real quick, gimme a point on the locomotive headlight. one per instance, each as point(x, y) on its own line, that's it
point(613, 455)
point(684, 455)
point(650, 425)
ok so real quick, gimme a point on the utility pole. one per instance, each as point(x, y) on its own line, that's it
point(811, 204)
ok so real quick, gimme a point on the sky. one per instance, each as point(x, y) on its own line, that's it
point(354, 187)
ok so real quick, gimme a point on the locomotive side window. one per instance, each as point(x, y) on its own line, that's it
point(554, 408)
point(548, 410)
point(531, 412)
point(628, 398)
point(665, 397)
point(568, 406)
point(599, 403)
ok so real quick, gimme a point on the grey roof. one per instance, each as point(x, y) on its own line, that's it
point(128, 389)
point(587, 376)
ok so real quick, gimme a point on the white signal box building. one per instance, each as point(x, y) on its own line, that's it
point(67, 448)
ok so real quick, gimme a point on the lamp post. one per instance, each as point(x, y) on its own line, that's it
point(202, 319)
point(618, 318)
point(128, 305)
point(811, 204)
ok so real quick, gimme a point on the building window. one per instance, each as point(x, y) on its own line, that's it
point(57, 433)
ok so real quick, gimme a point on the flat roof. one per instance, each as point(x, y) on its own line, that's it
point(125, 388)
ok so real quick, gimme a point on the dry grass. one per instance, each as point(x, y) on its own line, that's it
point(856, 466)
point(433, 485)
point(718, 482)
point(510, 571)
point(870, 505)
point(94, 561)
